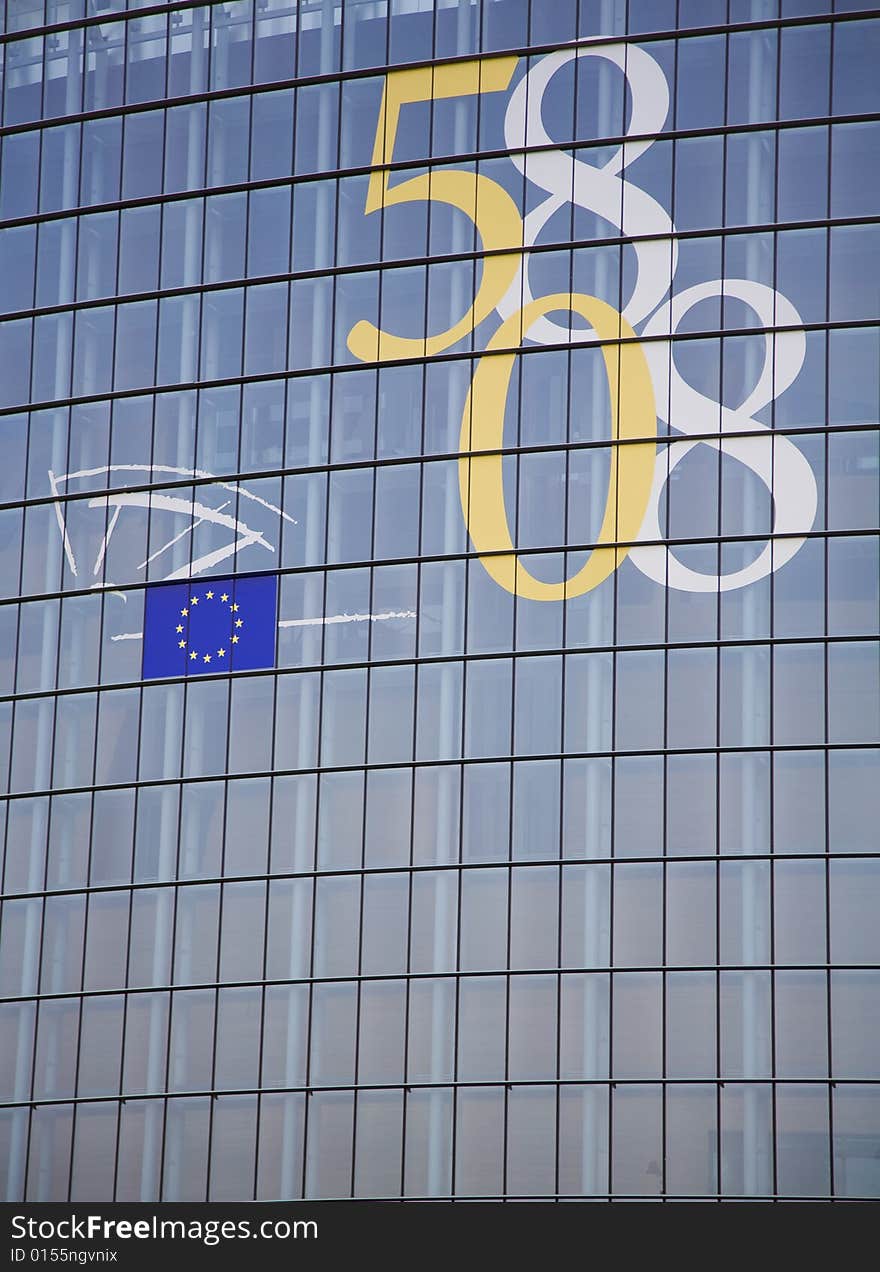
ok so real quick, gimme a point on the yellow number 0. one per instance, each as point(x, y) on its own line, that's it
point(497, 219)
point(633, 416)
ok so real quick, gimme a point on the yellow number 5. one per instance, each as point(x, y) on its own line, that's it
point(486, 203)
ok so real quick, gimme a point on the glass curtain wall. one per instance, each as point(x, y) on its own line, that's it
point(531, 350)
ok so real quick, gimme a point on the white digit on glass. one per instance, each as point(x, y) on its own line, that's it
point(773, 458)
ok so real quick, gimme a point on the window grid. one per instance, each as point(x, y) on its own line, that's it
point(814, 708)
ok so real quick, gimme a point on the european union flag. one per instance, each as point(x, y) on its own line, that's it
point(210, 625)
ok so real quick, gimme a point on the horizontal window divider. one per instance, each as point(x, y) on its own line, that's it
point(241, 476)
point(468, 761)
point(111, 395)
point(446, 867)
point(403, 1086)
point(380, 978)
point(560, 550)
point(441, 162)
point(370, 72)
point(420, 660)
point(424, 262)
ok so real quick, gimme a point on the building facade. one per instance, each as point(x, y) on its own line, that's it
point(501, 379)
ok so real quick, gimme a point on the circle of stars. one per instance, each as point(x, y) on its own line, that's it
point(196, 655)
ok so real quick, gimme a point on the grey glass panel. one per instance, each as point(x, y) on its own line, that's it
point(853, 899)
point(337, 907)
point(285, 1036)
point(691, 1025)
point(238, 1038)
point(185, 1163)
point(534, 903)
point(428, 1146)
point(281, 1132)
point(55, 1052)
point(485, 821)
point(481, 1034)
point(746, 1027)
point(637, 920)
point(479, 1139)
point(801, 1024)
point(340, 819)
point(385, 924)
point(854, 1003)
point(637, 1025)
point(690, 913)
point(48, 1167)
point(798, 802)
point(483, 920)
point(233, 1144)
point(332, 1057)
point(802, 1147)
point(430, 1051)
point(100, 1047)
point(379, 1144)
point(637, 1140)
point(382, 1032)
point(532, 1005)
point(104, 964)
point(746, 1140)
point(799, 911)
point(691, 1125)
point(856, 1112)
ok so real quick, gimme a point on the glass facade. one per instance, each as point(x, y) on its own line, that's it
point(523, 360)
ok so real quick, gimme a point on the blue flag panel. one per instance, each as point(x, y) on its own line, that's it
point(210, 625)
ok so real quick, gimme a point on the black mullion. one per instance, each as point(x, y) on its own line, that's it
point(173, 997)
point(437, 659)
point(231, 689)
point(774, 1129)
point(99, 696)
point(825, 614)
point(196, 482)
point(416, 680)
point(82, 984)
point(664, 930)
point(320, 733)
point(353, 978)
point(460, 760)
point(472, 1083)
point(271, 816)
point(154, 884)
point(719, 554)
point(563, 660)
point(140, 727)
point(164, 198)
point(715, 971)
point(38, 1022)
point(647, 37)
point(225, 381)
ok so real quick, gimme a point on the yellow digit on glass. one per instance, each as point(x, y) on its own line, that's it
point(633, 416)
point(484, 201)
